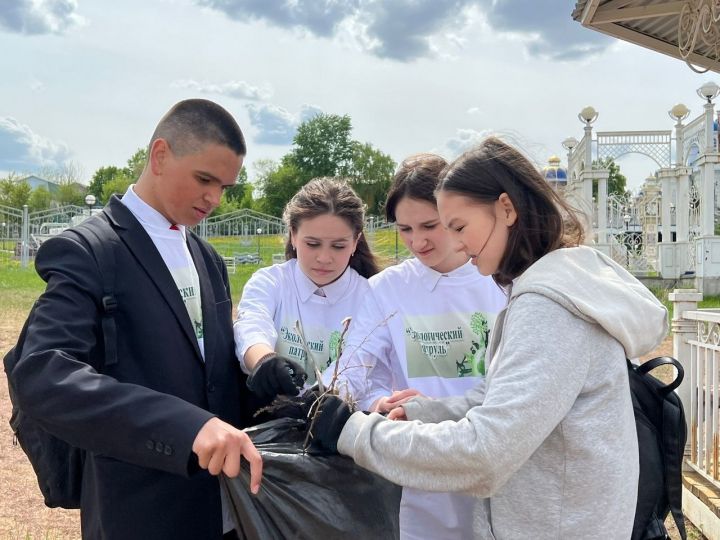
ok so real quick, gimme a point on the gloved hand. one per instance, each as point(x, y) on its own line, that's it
point(298, 407)
point(329, 423)
point(274, 375)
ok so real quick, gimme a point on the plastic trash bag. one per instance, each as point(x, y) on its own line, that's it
point(307, 495)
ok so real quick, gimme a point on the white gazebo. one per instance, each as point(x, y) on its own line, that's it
point(667, 229)
point(684, 29)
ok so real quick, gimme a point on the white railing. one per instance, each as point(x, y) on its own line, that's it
point(703, 379)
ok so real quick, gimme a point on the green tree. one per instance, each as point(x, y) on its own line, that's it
point(370, 175)
point(69, 193)
point(617, 183)
point(278, 185)
point(13, 192)
point(226, 206)
point(40, 199)
point(237, 192)
point(101, 177)
point(136, 164)
point(322, 146)
point(248, 201)
point(117, 186)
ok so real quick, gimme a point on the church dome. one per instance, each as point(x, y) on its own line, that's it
point(554, 172)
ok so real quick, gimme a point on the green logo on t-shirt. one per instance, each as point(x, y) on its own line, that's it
point(446, 345)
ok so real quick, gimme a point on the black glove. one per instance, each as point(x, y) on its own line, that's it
point(329, 423)
point(275, 375)
point(299, 407)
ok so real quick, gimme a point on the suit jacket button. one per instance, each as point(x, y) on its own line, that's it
point(149, 444)
point(211, 388)
point(159, 447)
point(168, 450)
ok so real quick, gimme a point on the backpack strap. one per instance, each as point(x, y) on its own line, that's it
point(674, 449)
point(673, 443)
point(99, 234)
point(648, 366)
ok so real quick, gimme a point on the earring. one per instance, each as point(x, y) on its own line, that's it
point(352, 254)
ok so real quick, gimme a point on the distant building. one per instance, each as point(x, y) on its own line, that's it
point(555, 174)
point(36, 182)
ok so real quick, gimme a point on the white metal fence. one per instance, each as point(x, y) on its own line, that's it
point(704, 388)
point(236, 234)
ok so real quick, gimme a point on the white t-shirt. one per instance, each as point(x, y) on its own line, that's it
point(422, 329)
point(171, 241)
point(280, 302)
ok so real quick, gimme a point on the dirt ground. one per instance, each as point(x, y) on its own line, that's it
point(23, 516)
point(22, 513)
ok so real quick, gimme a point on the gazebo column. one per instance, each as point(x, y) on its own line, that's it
point(602, 200)
point(682, 210)
point(666, 177)
point(707, 193)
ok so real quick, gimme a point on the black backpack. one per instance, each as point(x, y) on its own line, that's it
point(58, 465)
point(662, 432)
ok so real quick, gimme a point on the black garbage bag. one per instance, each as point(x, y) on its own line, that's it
point(309, 495)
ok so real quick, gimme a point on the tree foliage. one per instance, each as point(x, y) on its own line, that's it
point(237, 192)
point(616, 183)
point(13, 193)
point(116, 186)
point(40, 199)
point(101, 177)
point(70, 193)
point(322, 146)
point(277, 185)
point(370, 174)
point(110, 180)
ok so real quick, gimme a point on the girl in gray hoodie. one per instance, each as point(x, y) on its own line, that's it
point(547, 443)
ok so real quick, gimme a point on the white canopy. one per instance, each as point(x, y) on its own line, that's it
point(685, 29)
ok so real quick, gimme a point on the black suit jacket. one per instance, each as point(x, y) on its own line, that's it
point(137, 418)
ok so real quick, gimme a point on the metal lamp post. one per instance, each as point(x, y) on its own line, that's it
point(90, 201)
point(259, 232)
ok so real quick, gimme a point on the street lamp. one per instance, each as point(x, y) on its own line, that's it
point(259, 232)
point(588, 115)
point(570, 144)
point(708, 91)
point(679, 112)
point(90, 201)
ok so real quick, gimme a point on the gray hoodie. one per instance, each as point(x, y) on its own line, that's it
point(548, 443)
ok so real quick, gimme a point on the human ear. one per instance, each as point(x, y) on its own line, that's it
point(355, 243)
point(507, 210)
point(159, 151)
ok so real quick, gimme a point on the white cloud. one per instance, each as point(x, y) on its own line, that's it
point(406, 30)
point(21, 149)
point(235, 89)
point(39, 16)
point(464, 139)
point(275, 125)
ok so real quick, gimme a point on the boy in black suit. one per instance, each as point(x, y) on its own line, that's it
point(157, 424)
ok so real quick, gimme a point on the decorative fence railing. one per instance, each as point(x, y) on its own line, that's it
point(704, 393)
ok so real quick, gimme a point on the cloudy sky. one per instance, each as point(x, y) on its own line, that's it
point(85, 81)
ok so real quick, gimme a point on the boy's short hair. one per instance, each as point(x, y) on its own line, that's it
point(193, 123)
